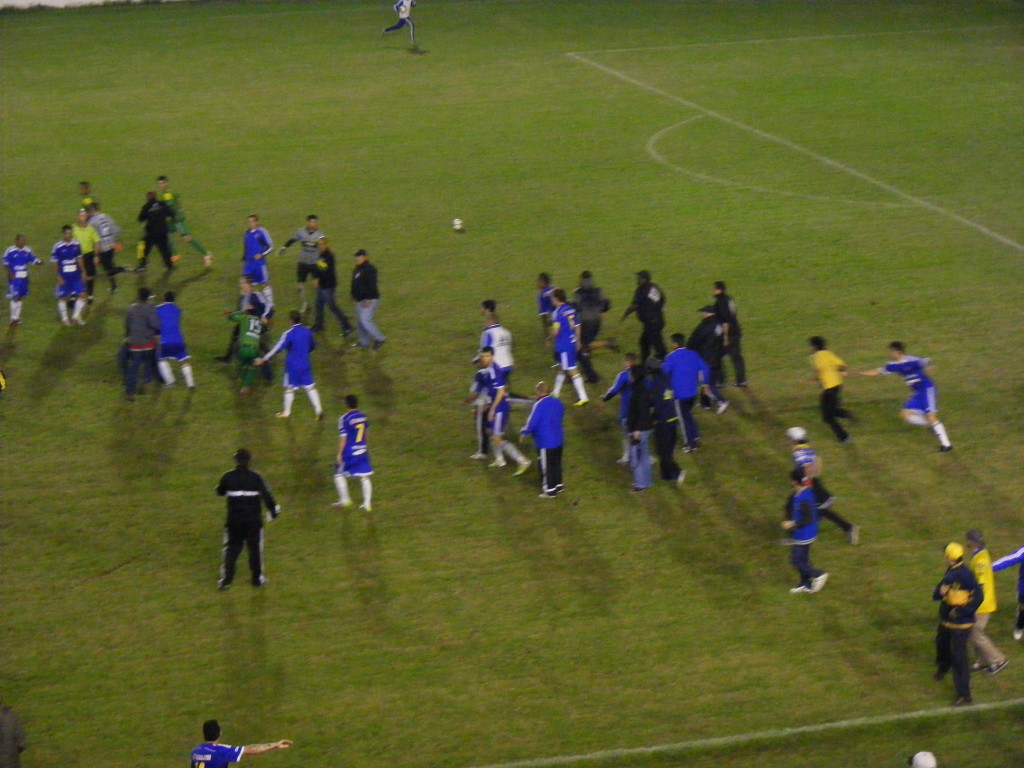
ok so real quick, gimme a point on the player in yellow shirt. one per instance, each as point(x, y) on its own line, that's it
point(989, 658)
point(87, 238)
point(829, 371)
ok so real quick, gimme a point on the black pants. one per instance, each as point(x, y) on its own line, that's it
point(483, 440)
point(832, 411)
point(735, 353)
point(325, 298)
point(687, 424)
point(144, 359)
point(89, 260)
point(589, 374)
point(800, 557)
point(107, 260)
point(824, 501)
point(710, 395)
point(650, 338)
point(665, 434)
point(236, 536)
point(549, 461)
point(162, 243)
point(951, 653)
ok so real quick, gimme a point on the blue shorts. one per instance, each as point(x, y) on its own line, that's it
point(566, 358)
point(925, 400)
point(354, 466)
point(302, 377)
point(500, 421)
point(172, 351)
point(18, 288)
point(71, 288)
point(256, 271)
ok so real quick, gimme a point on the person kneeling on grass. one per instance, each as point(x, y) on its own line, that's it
point(802, 523)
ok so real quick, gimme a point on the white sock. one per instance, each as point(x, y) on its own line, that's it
point(917, 419)
point(302, 293)
point(940, 432)
point(559, 381)
point(79, 306)
point(513, 453)
point(15, 310)
point(186, 371)
point(289, 398)
point(314, 398)
point(269, 293)
point(577, 381)
point(62, 308)
point(625, 448)
point(165, 371)
point(496, 448)
point(367, 491)
point(341, 484)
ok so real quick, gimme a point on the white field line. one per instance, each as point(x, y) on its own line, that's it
point(744, 738)
point(651, 149)
point(827, 161)
point(800, 39)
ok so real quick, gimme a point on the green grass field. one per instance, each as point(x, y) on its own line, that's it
point(851, 169)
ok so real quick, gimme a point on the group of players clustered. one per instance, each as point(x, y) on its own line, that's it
point(658, 389)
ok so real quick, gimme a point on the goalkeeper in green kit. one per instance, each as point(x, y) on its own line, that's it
point(247, 350)
point(173, 201)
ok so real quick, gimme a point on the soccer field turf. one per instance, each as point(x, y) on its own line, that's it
point(853, 170)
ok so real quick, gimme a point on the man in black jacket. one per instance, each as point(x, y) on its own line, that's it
point(156, 216)
point(706, 341)
point(639, 423)
point(244, 490)
point(648, 303)
point(666, 422)
point(326, 284)
point(366, 296)
point(725, 311)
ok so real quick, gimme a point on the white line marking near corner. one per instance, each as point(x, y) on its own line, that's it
point(743, 738)
point(652, 151)
point(827, 161)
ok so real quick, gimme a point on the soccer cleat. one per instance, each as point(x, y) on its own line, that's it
point(283, 415)
point(854, 534)
point(977, 666)
point(175, 257)
point(623, 460)
point(946, 449)
point(208, 260)
point(319, 416)
point(846, 441)
point(223, 586)
point(818, 582)
point(496, 464)
point(341, 504)
point(680, 479)
point(478, 456)
point(365, 508)
point(377, 345)
point(79, 320)
point(801, 590)
point(547, 496)
point(1018, 634)
point(937, 677)
point(521, 469)
point(998, 667)
point(722, 406)
point(636, 489)
point(579, 403)
point(963, 701)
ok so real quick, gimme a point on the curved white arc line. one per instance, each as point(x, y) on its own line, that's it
point(651, 150)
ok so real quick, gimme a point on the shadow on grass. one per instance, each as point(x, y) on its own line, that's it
point(251, 680)
point(364, 562)
point(380, 392)
point(145, 434)
point(66, 346)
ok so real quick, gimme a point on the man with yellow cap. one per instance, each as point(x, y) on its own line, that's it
point(959, 596)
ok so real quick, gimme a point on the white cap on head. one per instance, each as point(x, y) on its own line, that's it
point(923, 760)
point(796, 434)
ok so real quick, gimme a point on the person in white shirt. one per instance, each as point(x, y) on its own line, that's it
point(403, 8)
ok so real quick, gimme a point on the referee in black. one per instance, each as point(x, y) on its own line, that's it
point(648, 303)
point(244, 526)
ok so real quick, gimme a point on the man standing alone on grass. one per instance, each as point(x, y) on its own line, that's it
point(959, 596)
point(366, 295)
point(404, 10)
point(829, 371)
point(802, 523)
point(648, 303)
point(989, 657)
point(353, 458)
point(212, 754)
point(545, 425)
point(298, 342)
point(244, 490)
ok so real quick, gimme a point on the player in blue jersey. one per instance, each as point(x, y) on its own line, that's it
point(69, 265)
point(172, 343)
point(545, 425)
point(256, 247)
point(493, 381)
point(687, 374)
point(1008, 561)
point(565, 337)
point(353, 455)
point(544, 304)
point(802, 524)
point(212, 754)
point(621, 387)
point(805, 458)
point(404, 10)
point(921, 408)
point(17, 259)
point(298, 342)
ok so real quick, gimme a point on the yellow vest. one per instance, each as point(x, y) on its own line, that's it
point(981, 567)
point(828, 367)
point(86, 236)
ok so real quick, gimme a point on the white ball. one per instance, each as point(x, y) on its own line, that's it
point(457, 225)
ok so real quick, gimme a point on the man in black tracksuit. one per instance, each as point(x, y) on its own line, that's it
point(648, 303)
point(244, 490)
point(156, 216)
point(666, 422)
point(725, 311)
point(326, 284)
point(706, 340)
